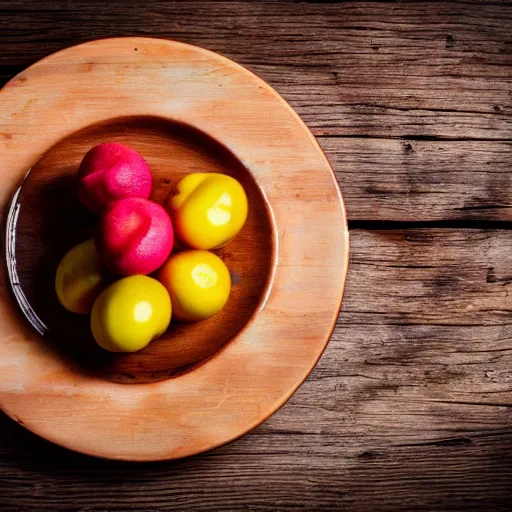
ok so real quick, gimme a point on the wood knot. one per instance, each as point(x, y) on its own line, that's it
point(491, 275)
point(455, 441)
point(368, 455)
point(450, 41)
point(408, 148)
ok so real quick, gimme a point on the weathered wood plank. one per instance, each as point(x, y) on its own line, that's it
point(408, 180)
point(439, 70)
point(425, 326)
point(409, 407)
point(442, 277)
point(464, 473)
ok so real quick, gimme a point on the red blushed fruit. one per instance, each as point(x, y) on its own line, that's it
point(112, 171)
point(135, 236)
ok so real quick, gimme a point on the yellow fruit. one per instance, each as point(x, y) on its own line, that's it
point(80, 278)
point(198, 283)
point(130, 313)
point(208, 210)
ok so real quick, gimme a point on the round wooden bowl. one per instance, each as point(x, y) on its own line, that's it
point(185, 110)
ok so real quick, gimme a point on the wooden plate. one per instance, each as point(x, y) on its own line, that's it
point(185, 110)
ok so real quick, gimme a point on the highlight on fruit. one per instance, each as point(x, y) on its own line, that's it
point(108, 276)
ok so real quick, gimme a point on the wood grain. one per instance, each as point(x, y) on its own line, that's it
point(409, 407)
point(422, 181)
point(422, 73)
point(412, 413)
point(375, 69)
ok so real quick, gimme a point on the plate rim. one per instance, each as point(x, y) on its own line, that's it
point(14, 83)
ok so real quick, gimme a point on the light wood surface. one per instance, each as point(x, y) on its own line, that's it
point(141, 91)
point(400, 414)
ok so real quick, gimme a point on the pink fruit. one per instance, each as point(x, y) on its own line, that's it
point(135, 236)
point(112, 171)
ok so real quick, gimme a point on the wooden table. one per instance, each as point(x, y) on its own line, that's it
point(410, 408)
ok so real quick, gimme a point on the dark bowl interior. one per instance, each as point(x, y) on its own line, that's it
point(48, 220)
